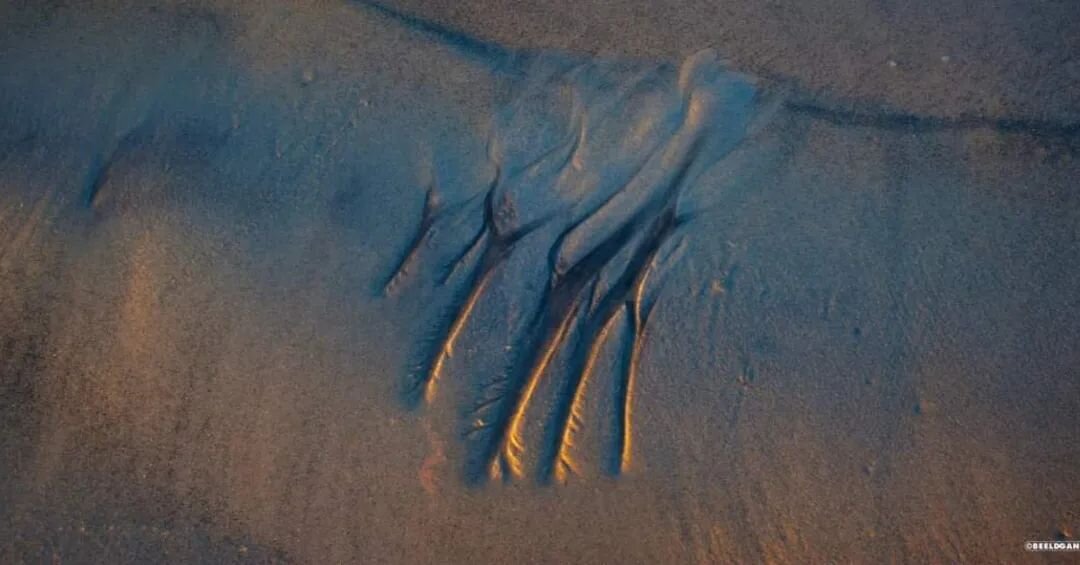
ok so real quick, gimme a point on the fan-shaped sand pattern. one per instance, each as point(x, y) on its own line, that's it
point(606, 191)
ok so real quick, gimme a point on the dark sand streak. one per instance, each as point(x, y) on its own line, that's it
point(620, 296)
point(562, 300)
point(497, 247)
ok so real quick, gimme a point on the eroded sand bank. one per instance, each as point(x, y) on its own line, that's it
point(318, 284)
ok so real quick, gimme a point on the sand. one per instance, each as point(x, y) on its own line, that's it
point(933, 57)
point(318, 282)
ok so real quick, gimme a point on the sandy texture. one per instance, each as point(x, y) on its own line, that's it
point(942, 58)
point(313, 283)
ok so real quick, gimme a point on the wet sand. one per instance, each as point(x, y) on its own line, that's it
point(932, 57)
point(320, 283)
